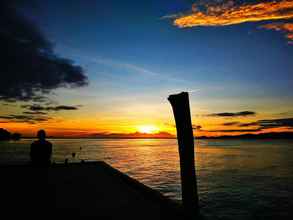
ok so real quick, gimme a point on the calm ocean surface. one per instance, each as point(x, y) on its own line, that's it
point(237, 179)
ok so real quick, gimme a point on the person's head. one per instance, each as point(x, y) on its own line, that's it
point(41, 135)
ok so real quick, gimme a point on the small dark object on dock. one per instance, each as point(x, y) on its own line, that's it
point(73, 154)
point(66, 161)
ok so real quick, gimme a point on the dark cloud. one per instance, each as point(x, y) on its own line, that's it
point(231, 123)
point(8, 104)
point(266, 123)
point(261, 125)
point(249, 124)
point(31, 119)
point(30, 69)
point(232, 114)
point(276, 123)
point(237, 130)
point(239, 124)
point(196, 127)
point(38, 108)
point(35, 113)
point(61, 107)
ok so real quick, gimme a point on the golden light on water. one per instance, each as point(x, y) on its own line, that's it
point(148, 129)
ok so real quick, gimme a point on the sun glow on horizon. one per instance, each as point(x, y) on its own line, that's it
point(148, 129)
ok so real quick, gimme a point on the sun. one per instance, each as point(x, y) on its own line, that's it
point(147, 129)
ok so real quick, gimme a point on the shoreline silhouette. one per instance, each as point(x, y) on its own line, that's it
point(271, 135)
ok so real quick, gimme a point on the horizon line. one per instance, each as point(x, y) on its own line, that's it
point(273, 135)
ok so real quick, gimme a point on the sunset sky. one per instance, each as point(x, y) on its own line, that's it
point(235, 58)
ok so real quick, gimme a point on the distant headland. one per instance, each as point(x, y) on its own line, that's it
point(6, 135)
point(166, 135)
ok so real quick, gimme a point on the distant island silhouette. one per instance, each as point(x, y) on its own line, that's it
point(166, 135)
point(6, 135)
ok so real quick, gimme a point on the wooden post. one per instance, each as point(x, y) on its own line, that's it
point(181, 110)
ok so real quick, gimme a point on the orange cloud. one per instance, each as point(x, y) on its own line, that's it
point(284, 27)
point(229, 14)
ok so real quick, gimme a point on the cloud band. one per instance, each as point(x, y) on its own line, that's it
point(221, 15)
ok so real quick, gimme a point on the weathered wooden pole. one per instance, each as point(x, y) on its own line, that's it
point(181, 110)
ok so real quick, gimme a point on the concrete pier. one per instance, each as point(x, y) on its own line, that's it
point(91, 189)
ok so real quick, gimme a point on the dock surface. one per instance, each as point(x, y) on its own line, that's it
point(91, 189)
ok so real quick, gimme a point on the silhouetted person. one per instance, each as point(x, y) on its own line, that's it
point(41, 150)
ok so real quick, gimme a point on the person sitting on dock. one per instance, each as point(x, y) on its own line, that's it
point(41, 150)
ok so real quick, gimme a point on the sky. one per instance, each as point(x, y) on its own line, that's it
point(233, 57)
